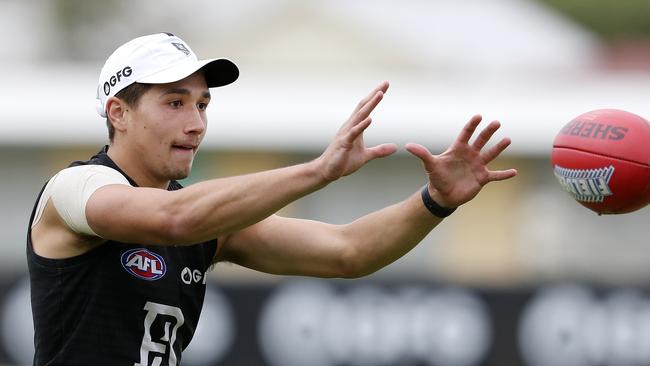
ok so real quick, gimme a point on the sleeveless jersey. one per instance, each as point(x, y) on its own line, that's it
point(120, 303)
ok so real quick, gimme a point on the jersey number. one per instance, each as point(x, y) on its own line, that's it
point(167, 334)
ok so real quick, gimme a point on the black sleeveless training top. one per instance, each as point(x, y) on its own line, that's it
point(120, 303)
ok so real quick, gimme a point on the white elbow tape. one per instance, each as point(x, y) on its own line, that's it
point(72, 187)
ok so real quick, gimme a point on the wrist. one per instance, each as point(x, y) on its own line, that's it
point(317, 169)
point(436, 209)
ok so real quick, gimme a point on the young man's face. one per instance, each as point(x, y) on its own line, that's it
point(168, 125)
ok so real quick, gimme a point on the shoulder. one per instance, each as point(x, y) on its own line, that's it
point(82, 173)
point(72, 187)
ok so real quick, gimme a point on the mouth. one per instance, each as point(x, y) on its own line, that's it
point(185, 147)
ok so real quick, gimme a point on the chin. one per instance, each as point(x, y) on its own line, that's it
point(179, 174)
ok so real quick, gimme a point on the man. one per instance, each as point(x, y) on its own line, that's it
point(112, 240)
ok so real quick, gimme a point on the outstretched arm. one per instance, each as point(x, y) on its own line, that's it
point(218, 207)
point(301, 247)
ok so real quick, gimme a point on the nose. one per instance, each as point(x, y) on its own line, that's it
point(196, 122)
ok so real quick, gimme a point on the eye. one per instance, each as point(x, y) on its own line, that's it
point(176, 104)
point(202, 106)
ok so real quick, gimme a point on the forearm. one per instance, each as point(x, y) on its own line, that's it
point(221, 206)
point(384, 236)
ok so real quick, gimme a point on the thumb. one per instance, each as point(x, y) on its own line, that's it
point(381, 151)
point(419, 151)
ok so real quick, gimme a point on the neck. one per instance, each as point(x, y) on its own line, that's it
point(132, 164)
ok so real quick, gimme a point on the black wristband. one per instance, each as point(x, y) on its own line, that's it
point(433, 207)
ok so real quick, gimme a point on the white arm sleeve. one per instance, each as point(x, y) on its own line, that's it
point(71, 188)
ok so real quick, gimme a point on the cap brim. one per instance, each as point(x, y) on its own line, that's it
point(218, 72)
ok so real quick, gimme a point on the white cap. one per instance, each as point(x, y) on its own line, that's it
point(157, 59)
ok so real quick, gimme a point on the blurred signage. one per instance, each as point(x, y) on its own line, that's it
point(362, 323)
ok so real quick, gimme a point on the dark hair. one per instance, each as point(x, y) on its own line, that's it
point(129, 95)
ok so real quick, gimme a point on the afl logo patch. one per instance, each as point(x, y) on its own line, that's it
point(144, 264)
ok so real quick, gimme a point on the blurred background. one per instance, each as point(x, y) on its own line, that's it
point(522, 275)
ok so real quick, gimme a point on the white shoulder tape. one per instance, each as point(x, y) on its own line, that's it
point(72, 187)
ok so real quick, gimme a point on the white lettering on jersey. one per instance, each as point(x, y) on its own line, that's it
point(135, 261)
point(188, 275)
point(169, 337)
point(196, 274)
point(144, 263)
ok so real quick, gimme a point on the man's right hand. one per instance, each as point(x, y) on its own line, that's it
point(347, 152)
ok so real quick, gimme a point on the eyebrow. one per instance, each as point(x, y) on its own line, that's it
point(183, 91)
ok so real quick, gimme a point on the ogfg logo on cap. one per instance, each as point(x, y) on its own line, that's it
point(114, 79)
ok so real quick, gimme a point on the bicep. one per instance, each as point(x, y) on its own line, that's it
point(131, 214)
point(288, 246)
point(98, 201)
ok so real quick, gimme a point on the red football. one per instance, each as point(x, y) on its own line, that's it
point(602, 158)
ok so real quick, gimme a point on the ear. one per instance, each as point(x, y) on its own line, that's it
point(116, 113)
